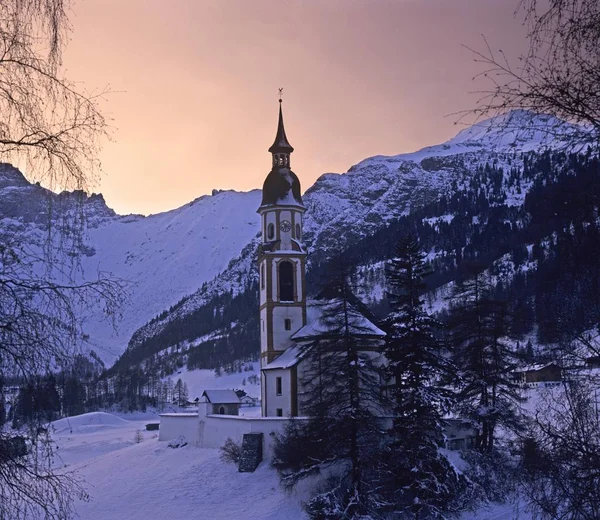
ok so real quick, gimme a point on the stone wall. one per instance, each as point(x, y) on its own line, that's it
point(211, 431)
point(173, 425)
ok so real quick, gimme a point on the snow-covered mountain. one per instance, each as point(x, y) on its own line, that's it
point(343, 209)
point(190, 254)
point(160, 258)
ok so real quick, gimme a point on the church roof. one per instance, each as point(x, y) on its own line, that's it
point(221, 396)
point(281, 143)
point(289, 358)
point(281, 186)
point(320, 323)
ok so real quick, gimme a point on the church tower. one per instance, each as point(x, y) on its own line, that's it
point(281, 255)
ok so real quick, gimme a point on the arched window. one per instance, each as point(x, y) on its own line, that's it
point(298, 233)
point(222, 411)
point(286, 281)
point(271, 231)
point(262, 276)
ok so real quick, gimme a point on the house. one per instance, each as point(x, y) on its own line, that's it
point(533, 375)
point(246, 400)
point(222, 402)
point(459, 434)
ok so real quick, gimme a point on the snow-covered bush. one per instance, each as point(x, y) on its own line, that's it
point(179, 442)
point(231, 451)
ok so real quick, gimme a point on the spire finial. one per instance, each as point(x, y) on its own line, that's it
point(281, 144)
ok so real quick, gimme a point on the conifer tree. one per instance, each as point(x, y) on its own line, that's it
point(486, 392)
point(342, 396)
point(419, 481)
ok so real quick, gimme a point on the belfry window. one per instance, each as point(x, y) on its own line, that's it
point(262, 276)
point(286, 281)
point(271, 231)
point(298, 232)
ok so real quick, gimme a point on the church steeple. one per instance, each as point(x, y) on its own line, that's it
point(281, 144)
point(281, 186)
point(281, 267)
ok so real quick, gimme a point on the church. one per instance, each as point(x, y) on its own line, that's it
point(288, 323)
point(290, 326)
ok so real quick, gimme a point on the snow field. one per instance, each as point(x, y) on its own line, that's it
point(129, 481)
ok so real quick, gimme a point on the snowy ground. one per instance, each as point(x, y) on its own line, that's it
point(128, 480)
point(133, 481)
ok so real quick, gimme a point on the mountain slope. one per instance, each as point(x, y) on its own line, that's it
point(482, 176)
point(159, 258)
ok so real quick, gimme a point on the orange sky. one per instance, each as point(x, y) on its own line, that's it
point(194, 82)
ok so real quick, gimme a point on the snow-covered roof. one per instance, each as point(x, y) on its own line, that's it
point(221, 396)
point(535, 368)
point(318, 324)
point(289, 358)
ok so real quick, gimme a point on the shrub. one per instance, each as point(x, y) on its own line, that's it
point(231, 451)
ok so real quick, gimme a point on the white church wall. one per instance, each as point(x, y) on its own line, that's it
point(173, 425)
point(263, 332)
point(274, 401)
point(298, 279)
point(270, 218)
point(263, 281)
point(286, 237)
point(281, 337)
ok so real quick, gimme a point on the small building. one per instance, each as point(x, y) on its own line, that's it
point(533, 375)
point(222, 402)
point(459, 434)
point(246, 400)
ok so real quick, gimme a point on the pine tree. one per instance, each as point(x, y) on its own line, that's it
point(342, 396)
point(419, 481)
point(486, 392)
point(184, 393)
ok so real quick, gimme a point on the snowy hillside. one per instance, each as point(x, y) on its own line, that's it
point(344, 209)
point(166, 258)
point(160, 258)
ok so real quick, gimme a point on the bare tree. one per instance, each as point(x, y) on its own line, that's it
point(48, 125)
point(558, 76)
point(561, 458)
point(52, 129)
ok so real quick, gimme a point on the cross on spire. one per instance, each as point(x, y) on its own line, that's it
point(280, 94)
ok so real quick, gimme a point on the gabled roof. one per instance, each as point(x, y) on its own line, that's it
point(289, 358)
point(319, 324)
point(221, 396)
point(535, 368)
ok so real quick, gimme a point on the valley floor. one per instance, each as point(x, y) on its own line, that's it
point(130, 481)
